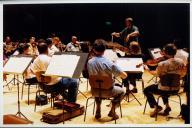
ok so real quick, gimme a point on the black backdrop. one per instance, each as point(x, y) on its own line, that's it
point(158, 23)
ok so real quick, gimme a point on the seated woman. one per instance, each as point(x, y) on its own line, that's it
point(134, 52)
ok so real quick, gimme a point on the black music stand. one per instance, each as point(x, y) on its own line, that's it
point(129, 65)
point(155, 53)
point(75, 69)
point(78, 67)
point(21, 63)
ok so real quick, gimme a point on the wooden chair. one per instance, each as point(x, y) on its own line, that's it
point(173, 80)
point(100, 82)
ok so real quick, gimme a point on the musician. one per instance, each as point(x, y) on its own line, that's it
point(49, 43)
point(74, 45)
point(171, 65)
point(33, 46)
point(8, 46)
point(134, 52)
point(55, 42)
point(56, 84)
point(99, 64)
point(24, 49)
point(128, 34)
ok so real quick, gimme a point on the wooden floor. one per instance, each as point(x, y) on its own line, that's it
point(132, 111)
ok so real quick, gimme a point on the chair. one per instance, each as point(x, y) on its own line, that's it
point(29, 84)
point(173, 80)
point(43, 87)
point(101, 83)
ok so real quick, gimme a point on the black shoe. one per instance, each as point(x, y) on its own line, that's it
point(98, 114)
point(113, 115)
point(166, 111)
point(134, 90)
point(156, 111)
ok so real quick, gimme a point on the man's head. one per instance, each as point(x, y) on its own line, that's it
point(74, 39)
point(7, 39)
point(42, 48)
point(99, 47)
point(23, 48)
point(170, 50)
point(128, 22)
point(32, 39)
point(49, 42)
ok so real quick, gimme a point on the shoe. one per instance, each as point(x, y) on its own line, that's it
point(156, 111)
point(134, 90)
point(114, 115)
point(166, 111)
point(98, 114)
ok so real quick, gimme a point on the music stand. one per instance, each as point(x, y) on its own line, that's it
point(155, 53)
point(129, 65)
point(71, 68)
point(21, 63)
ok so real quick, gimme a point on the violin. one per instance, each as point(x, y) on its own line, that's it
point(114, 45)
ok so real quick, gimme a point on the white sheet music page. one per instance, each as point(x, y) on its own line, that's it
point(110, 54)
point(17, 65)
point(129, 64)
point(120, 52)
point(156, 52)
point(62, 65)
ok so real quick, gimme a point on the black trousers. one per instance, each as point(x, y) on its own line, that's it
point(131, 78)
point(32, 80)
point(153, 89)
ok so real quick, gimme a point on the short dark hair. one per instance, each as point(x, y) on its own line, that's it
point(99, 45)
point(129, 19)
point(42, 47)
point(170, 49)
point(48, 41)
point(41, 41)
point(22, 47)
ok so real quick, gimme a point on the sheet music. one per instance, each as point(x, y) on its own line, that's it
point(110, 54)
point(129, 64)
point(156, 53)
point(62, 65)
point(17, 65)
point(120, 52)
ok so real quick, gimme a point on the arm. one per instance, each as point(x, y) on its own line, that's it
point(123, 75)
point(135, 33)
point(116, 34)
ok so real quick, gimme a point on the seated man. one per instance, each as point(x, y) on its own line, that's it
point(56, 84)
point(171, 65)
point(74, 45)
point(100, 64)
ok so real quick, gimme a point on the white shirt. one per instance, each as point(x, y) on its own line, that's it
point(40, 64)
point(182, 55)
point(71, 48)
point(52, 50)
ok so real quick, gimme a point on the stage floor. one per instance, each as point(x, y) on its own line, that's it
point(132, 111)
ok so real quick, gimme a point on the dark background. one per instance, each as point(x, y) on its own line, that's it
point(158, 23)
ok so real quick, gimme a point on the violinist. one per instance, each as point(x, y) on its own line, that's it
point(134, 52)
point(33, 47)
point(8, 46)
point(74, 45)
point(170, 65)
point(55, 43)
